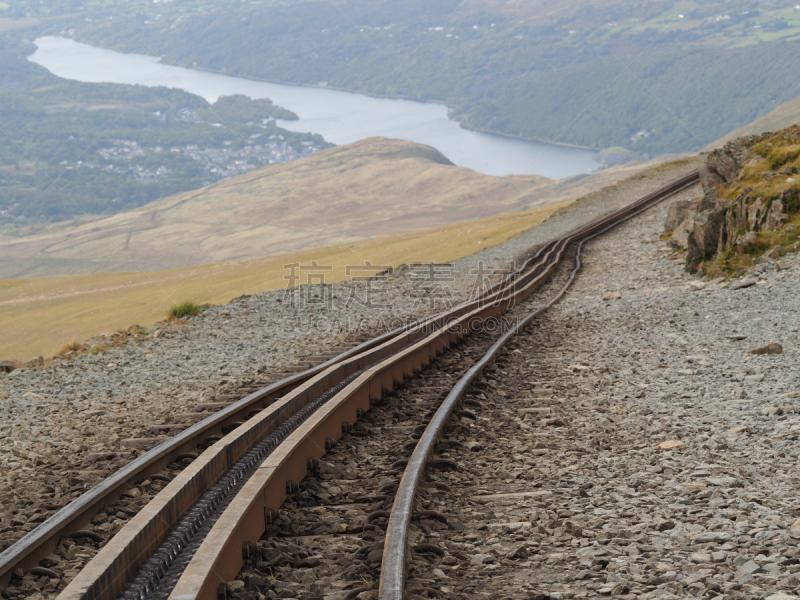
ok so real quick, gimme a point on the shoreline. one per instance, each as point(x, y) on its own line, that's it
point(386, 97)
point(163, 61)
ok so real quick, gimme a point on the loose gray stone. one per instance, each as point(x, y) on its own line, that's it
point(743, 283)
point(728, 482)
point(748, 568)
point(711, 536)
point(771, 348)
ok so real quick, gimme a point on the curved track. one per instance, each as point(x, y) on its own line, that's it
point(27, 552)
point(190, 539)
point(395, 547)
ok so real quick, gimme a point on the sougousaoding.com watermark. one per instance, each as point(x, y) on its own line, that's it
point(322, 323)
point(307, 285)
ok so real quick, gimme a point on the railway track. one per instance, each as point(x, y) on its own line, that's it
point(196, 533)
point(337, 515)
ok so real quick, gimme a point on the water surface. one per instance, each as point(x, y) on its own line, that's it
point(340, 117)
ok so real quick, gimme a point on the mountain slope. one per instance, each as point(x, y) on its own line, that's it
point(785, 115)
point(371, 188)
point(39, 315)
point(652, 76)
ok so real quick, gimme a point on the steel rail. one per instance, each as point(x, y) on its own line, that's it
point(26, 552)
point(395, 546)
point(42, 541)
point(104, 576)
point(219, 558)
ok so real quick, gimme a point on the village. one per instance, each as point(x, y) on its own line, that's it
point(216, 163)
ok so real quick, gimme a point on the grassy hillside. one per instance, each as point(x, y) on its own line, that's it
point(652, 76)
point(785, 115)
point(39, 316)
point(372, 188)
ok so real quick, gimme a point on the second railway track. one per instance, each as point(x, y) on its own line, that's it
point(197, 532)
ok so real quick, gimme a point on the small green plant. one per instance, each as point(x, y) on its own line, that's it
point(185, 309)
point(732, 263)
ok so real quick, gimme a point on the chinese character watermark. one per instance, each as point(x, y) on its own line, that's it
point(430, 281)
point(486, 277)
point(313, 291)
point(374, 278)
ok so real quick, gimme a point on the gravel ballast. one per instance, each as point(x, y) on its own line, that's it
point(656, 455)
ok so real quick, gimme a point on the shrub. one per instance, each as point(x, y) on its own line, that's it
point(185, 309)
point(71, 347)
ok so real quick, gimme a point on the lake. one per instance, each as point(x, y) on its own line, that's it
point(340, 117)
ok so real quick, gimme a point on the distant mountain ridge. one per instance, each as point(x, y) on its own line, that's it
point(652, 76)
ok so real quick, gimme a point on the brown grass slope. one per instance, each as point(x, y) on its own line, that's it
point(369, 189)
point(39, 315)
point(372, 188)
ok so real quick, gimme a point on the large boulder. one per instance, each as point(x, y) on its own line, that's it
point(777, 213)
point(680, 237)
point(709, 178)
point(723, 165)
point(704, 239)
point(677, 213)
point(726, 162)
point(756, 214)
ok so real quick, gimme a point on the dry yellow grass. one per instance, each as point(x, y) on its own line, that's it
point(369, 189)
point(38, 316)
point(373, 188)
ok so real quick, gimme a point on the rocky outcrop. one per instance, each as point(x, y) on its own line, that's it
point(724, 165)
point(677, 213)
point(712, 224)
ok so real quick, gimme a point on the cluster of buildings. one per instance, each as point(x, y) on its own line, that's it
point(216, 162)
point(226, 162)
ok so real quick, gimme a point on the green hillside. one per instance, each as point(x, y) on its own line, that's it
point(71, 149)
point(654, 76)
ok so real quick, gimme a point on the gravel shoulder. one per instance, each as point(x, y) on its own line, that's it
point(61, 426)
point(631, 447)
